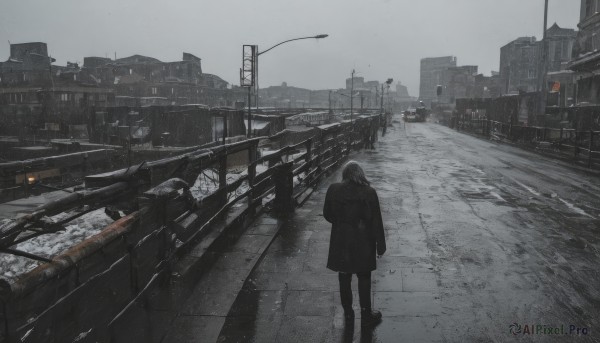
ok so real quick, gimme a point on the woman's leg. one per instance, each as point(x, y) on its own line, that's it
point(346, 291)
point(368, 316)
point(364, 290)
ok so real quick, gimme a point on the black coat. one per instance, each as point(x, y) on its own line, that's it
point(357, 232)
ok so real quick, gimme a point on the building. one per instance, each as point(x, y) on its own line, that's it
point(520, 59)
point(285, 96)
point(142, 80)
point(355, 82)
point(488, 86)
point(432, 69)
point(560, 47)
point(42, 99)
point(519, 62)
point(586, 54)
point(457, 83)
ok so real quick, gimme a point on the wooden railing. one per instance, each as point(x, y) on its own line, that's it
point(114, 270)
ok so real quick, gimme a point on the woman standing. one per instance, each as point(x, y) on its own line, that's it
point(357, 238)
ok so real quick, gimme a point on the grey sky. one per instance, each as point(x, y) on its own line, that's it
point(378, 38)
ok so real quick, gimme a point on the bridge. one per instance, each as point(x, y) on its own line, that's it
point(485, 241)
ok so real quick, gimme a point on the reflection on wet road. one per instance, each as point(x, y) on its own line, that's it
point(481, 236)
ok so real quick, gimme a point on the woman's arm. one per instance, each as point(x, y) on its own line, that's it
point(377, 224)
point(328, 206)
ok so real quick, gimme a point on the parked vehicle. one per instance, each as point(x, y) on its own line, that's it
point(415, 114)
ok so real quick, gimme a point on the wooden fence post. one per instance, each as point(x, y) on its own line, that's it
point(283, 178)
point(560, 138)
point(223, 177)
point(308, 159)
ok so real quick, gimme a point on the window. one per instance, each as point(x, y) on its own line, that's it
point(64, 97)
point(154, 91)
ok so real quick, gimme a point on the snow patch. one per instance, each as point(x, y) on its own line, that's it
point(50, 245)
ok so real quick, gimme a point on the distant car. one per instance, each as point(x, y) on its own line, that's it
point(410, 115)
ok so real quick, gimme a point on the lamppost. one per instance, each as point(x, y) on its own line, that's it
point(543, 65)
point(351, 92)
point(274, 46)
point(388, 82)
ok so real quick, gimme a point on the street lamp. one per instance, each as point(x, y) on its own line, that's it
point(542, 87)
point(271, 48)
point(388, 82)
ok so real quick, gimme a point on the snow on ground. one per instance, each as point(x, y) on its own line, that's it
point(299, 178)
point(50, 245)
point(81, 228)
point(208, 181)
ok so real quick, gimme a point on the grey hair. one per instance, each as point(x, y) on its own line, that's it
point(353, 172)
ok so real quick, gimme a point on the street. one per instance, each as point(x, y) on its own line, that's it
point(486, 243)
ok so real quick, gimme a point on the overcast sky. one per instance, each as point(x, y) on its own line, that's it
point(377, 38)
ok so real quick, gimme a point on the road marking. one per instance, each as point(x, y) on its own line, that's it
point(531, 190)
point(575, 208)
point(497, 196)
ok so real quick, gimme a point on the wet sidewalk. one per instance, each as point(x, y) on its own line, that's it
point(484, 240)
point(292, 297)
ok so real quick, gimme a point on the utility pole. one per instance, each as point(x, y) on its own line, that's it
point(543, 64)
point(351, 93)
point(382, 98)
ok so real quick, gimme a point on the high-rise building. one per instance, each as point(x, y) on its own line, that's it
point(432, 69)
point(519, 61)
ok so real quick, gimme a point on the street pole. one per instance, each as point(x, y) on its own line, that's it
point(249, 113)
point(543, 67)
point(382, 98)
point(351, 93)
point(274, 46)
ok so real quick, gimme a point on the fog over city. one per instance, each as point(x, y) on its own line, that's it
point(379, 38)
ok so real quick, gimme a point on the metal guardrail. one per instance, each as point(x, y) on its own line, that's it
point(583, 146)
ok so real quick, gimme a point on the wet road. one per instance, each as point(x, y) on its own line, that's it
point(481, 236)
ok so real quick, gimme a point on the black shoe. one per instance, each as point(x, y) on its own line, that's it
point(370, 317)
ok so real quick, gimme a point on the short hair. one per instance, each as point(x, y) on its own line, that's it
point(353, 172)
